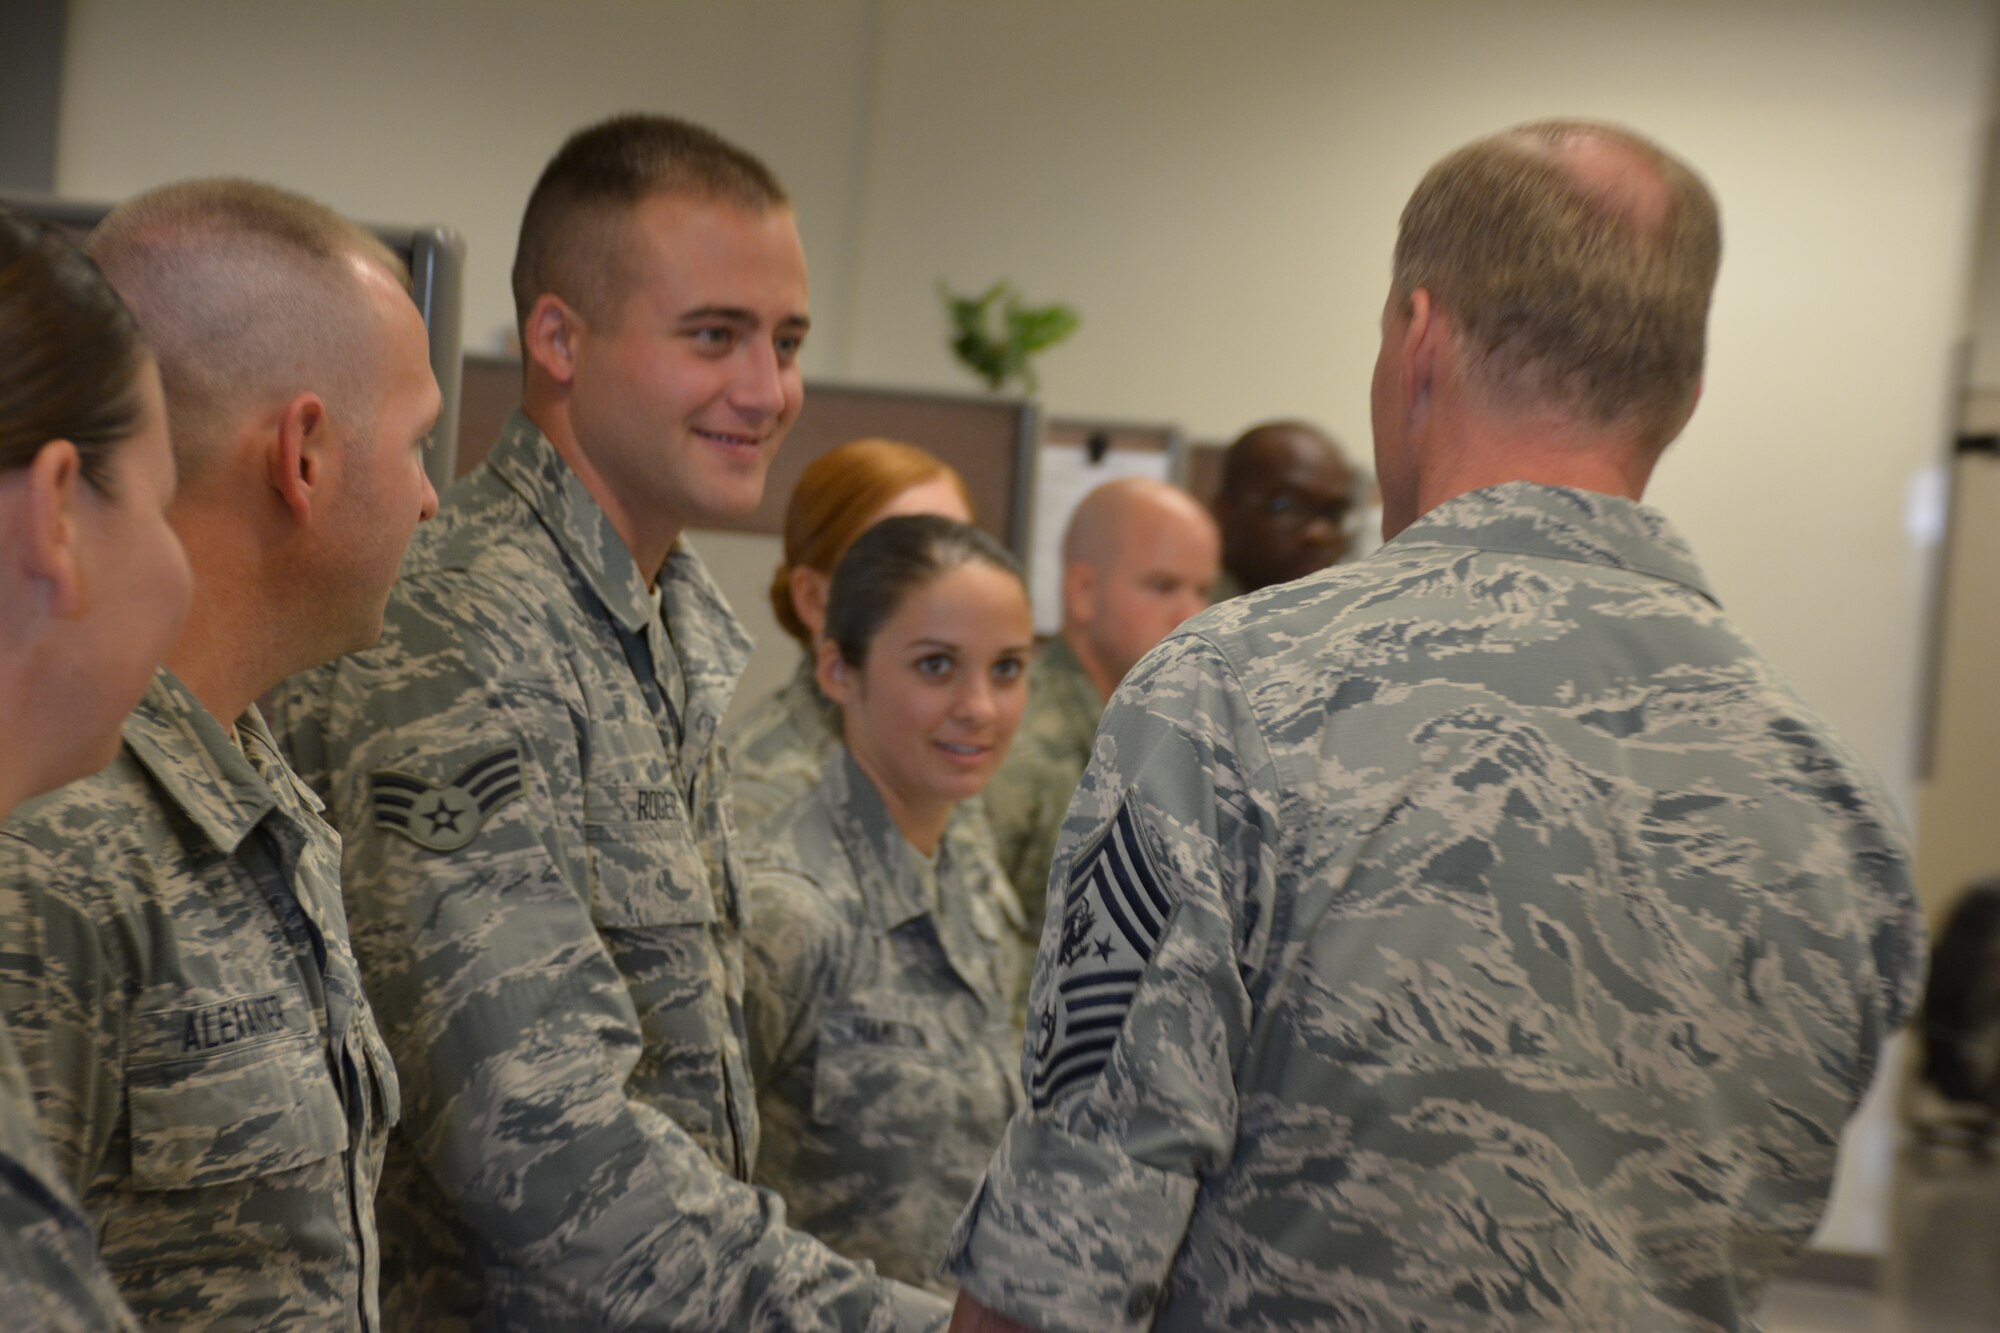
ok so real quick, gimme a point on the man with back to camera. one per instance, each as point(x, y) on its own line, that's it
point(1489, 937)
point(538, 853)
point(174, 958)
point(1285, 506)
point(1139, 557)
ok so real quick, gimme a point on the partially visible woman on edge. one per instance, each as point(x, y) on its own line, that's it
point(777, 749)
point(93, 585)
point(880, 961)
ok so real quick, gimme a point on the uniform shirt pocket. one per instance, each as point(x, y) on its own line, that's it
point(645, 868)
point(229, 1090)
point(868, 1058)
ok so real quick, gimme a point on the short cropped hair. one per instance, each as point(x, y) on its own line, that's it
point(70, 353)
point(893, 559)
point(1564, 296)
point(836, 496)
point(573, 241)
point(245, 293)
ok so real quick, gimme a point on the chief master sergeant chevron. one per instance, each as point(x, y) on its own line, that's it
point(1483, 936)
point(537, 846)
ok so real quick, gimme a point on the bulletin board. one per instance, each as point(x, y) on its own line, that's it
point(1077, 456)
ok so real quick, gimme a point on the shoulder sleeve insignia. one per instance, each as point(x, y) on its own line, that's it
point(1114, 916)
point(444, 819)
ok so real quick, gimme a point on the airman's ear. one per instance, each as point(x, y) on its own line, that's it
point(1422, 337)
point(1079, 592)
point(52, 491)
point(830, 669)
point(297, 450)
point(549, 335)
point(809, 588)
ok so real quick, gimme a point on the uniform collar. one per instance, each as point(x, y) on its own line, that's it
point(1059, 672)
point(802, 695)
point(890, 872)
point(713, 647)
point(1560, 523)
point(530, 465)
point(198, 767)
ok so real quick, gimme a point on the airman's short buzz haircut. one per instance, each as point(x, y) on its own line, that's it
point(573, 241)
point(247, 293)
point(1580, 291)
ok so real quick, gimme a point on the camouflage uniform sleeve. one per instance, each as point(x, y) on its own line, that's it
point(515, 1035)
point(63, 1009)
point(792, 965)
point(1139, 1009)
point(65, 1079)
point(50, 1274)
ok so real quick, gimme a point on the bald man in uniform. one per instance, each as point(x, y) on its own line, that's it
point(1139, 557)
point(1285, 507)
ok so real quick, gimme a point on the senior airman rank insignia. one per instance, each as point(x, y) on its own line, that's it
point(444, 819)
point(1114, 916)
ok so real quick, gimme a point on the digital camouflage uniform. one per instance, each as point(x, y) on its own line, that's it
point(1027, 797)
point(546, 906)
point(50, 1275)
point(880, 1000)
point(1478, 937)
point(175, 969)
point(778, 748)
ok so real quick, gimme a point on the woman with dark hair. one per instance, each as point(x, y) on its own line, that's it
point(880, 958)
point(93, 585)
point(776, 750)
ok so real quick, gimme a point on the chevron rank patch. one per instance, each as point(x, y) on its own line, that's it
point(1114, 916)
point(444, 819)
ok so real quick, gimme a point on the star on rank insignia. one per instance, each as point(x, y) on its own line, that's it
point(1114, 916)
point(444, 819)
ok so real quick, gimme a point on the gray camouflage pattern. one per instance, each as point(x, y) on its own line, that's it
point(50, 1275)
point(880, 1002)
point(1027, 797)
point(1527, 945)
point(563, 992)
point(779, 747)
point(175, 969)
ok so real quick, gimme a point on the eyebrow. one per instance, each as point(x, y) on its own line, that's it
point(736, 314)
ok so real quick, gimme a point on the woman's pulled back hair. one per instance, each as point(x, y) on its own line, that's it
point(890, 561)
point(835, 497)
point(70, 352)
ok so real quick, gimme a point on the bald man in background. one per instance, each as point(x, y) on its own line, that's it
point(174, 955)
point(1285, 507)
point(1139, 557)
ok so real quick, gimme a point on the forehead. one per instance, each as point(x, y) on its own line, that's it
point(1303, 464)
point(1152, 533)
point(705, 252)
point(965, 603)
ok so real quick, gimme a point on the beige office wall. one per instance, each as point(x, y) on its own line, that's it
point(1216, 187)
point(445, 111)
